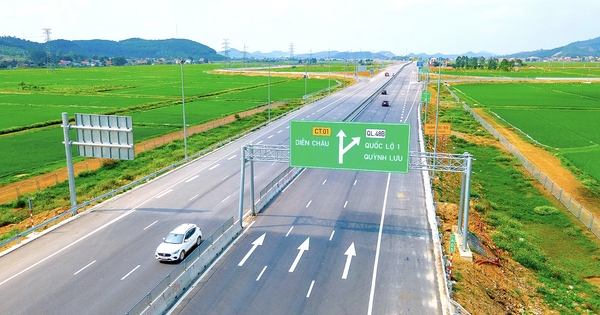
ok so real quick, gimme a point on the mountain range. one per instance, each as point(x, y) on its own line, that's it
point(129, 48)
point(11, 47)
point(590, 47)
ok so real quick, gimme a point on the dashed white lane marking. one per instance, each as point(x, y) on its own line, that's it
point(310, 289)
point(224, 178)
point(269, 137)
point(192, 178)
point(261, 273)
point(345, 204)
point(355, 182)
point(163, 193)
point(309, 203)
point(259, 142)
point(231, 157)
point(324, 182)
point(288, 233)
point(151, 224)
point(80, 270)
point(280, 131)
point(225, 199)
point(212, 168)
point(331, 237)
point(194, 197)
point(134, 269)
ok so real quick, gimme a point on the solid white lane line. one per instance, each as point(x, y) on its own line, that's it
point(192, 178)
point(288, 233)
point(163, 193)
point(324, 182)
point(194, 197)
point(127, 275)
point(261, 273)
point(151, 224)
point(374, 280)
point(80, 270)
point(309, 203)
point(269, 137)
point(212, 168)
point(345, 204)
point(224, 178)
point(231, 157)
point(310, 289)
point(331, 237)
point(225, 199)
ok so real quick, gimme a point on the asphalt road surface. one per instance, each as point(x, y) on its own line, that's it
point(335, 242)
point(103, 262)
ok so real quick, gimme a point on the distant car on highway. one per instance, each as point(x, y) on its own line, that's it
point(387, 74)
point(385, 103)
point(179, 242)
point(384, 92)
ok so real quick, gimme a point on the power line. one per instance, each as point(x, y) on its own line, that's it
point(49, 63)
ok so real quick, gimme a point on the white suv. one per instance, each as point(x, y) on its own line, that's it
point(178, 242)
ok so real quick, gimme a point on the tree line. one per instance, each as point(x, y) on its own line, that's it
point(465, 62)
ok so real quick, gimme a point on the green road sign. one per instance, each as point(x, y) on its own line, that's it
point(376, 147)
point(426, 96)
point(452, 243)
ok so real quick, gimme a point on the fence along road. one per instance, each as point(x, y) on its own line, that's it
point(579, 211)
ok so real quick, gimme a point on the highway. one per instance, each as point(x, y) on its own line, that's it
point(335, 242)
point(103, 262)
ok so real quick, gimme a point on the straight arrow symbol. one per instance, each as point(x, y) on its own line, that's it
point(302, 248)
point(255, 244)
point(349, 253)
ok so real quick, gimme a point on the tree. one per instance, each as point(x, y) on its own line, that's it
point(473, 62)
point(505, 65)
point(481, 62)
point(119, 61)
point(492, 64)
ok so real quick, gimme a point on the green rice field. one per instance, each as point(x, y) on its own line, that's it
point(535, 70)
point(564, 117)
point(32, 101)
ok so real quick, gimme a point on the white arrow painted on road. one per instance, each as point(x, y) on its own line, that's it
point(255, 244)
point(355, 141)
point(302, 248)
point(349, 253)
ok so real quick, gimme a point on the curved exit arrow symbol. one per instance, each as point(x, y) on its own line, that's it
point(355, 141)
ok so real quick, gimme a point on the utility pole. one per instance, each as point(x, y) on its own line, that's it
point(245, 56)
point(49, 63)
point(437, 112)
point(329, 62)
point(226, 49)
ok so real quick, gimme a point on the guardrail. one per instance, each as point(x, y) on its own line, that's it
point(75, 210)
point(165, 293)
point(579, 211)
point(275, 186)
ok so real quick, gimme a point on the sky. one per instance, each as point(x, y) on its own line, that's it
point(399, 26)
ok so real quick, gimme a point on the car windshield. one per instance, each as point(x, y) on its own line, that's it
point(173, 238)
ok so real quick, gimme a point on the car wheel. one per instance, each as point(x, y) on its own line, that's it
point(182, 255)
point(198, 240)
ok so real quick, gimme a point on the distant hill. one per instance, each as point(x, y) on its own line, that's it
point(129, 48)
point(234, 53)
point(453, 56)
point(590, 47)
